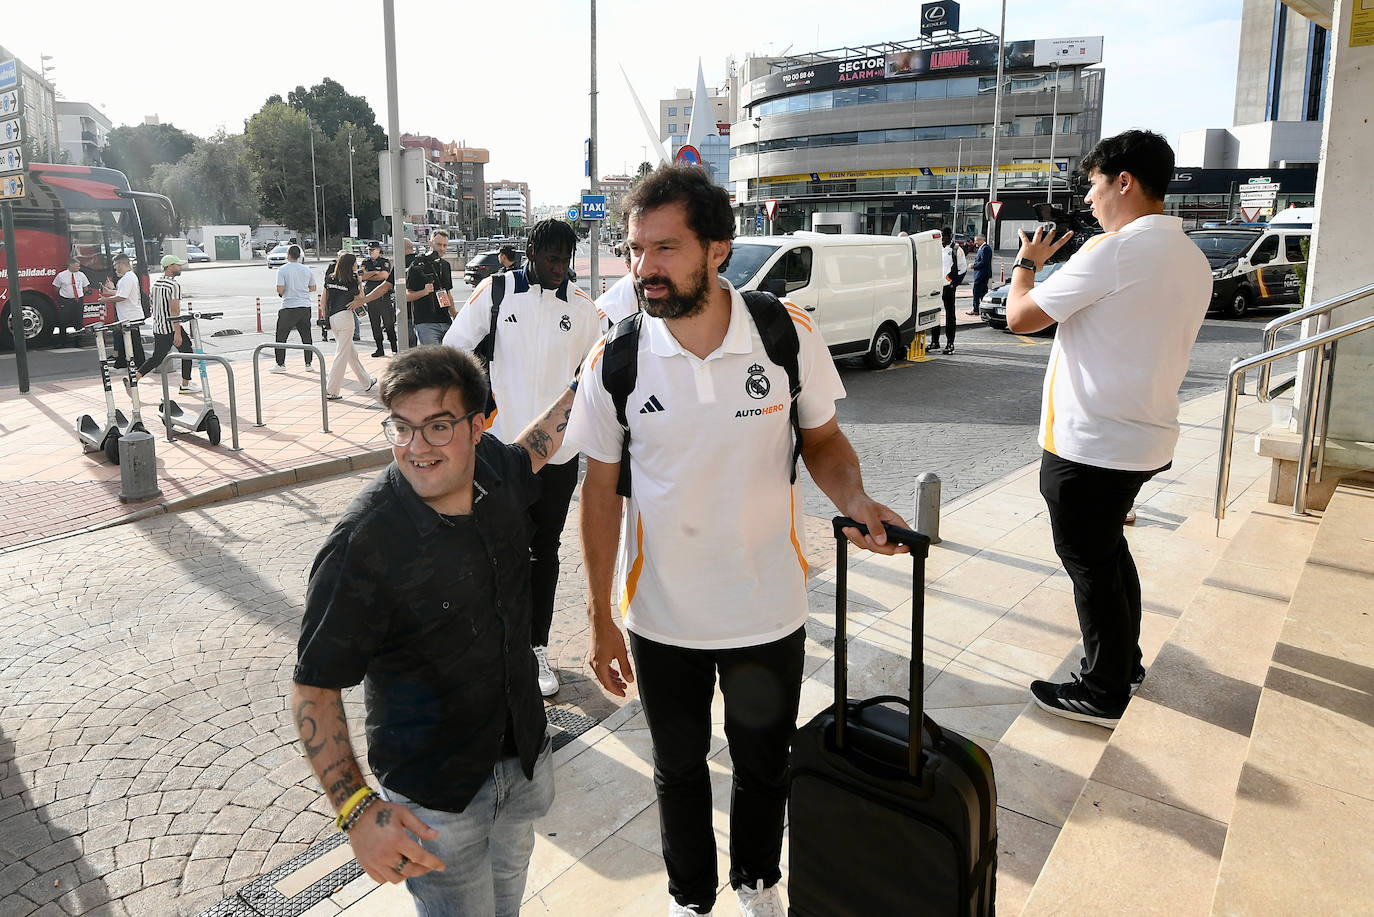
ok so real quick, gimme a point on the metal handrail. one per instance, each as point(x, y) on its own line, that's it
point(1228, 416)
point(257, 380)
point(1272, 329)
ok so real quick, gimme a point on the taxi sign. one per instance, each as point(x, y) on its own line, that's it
point(11, 159)
point(11, 131)
point(11, 186)
point(593, 206)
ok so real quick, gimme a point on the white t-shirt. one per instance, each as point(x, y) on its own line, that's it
point(1129, 306)
point(714, 553)
point(541, 339)
point(130, 307)
point(620, 300)
point(71, 286)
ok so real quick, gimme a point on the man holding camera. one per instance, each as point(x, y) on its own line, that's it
point(1129, 305)
point(431, 276)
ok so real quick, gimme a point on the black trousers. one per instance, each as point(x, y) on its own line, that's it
point(162, 345)
point(382, 314)
point(136, 340)
point(295, 318)
point(947, 296)
point(549, 514)
point(1087, 507)
point(980, 289)
point(70, 314)
point(762, 688)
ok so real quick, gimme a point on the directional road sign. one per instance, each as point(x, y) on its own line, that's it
point(574, 213)
point(9, 74)
point(11, 186)
point(758, 222)
point(11, 159)
point(593, 206)
point(9, 102)
point(11, 131)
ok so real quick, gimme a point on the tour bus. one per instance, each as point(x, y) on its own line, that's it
point(869, 295)
point(72, 211)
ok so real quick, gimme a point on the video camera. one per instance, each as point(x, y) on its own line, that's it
point(1081, 222)
point(428, 266)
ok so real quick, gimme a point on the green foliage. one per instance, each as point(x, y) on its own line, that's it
point(135, 150)
point(277, 143)
point(212, 184)
point(331, 107)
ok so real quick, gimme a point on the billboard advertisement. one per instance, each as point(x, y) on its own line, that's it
point(1068, 51)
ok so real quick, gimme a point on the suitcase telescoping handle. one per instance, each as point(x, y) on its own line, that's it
point(920, 547)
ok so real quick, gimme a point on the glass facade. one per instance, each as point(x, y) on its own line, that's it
point(963, 87)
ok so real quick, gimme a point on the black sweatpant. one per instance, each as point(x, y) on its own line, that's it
point(947, 295)
point(136, 341)
point(382, 314)
point(1087, 507)
point(162, 345)
point(549, 514)
point(762, 688)
point(295, 318)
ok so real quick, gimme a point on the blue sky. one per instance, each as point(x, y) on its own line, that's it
point(518, 83)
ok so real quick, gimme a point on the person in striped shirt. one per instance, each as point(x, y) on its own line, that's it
point(166, 304)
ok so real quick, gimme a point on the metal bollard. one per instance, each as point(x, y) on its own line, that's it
point(928, 505)
point(137, 467)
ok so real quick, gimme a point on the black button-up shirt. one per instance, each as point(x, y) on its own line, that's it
point(431, 614)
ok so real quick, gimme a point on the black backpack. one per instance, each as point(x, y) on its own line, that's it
point(620, 368)
point(486, 348)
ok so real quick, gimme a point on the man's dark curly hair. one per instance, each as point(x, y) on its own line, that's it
point(707, 204)
point(551, 236)
point(1145, 154)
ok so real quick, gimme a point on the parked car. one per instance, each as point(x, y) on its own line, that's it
point(993, 308)
point(483, 265)
point(965, 242)
point(868, 295)
point(277, 256)
point(1253, 267)
point(195, 254)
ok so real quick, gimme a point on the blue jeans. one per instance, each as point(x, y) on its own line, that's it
point(485, 848)
point(431, 332)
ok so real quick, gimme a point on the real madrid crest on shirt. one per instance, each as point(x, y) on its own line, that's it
point(757, 385)
point(565, 323)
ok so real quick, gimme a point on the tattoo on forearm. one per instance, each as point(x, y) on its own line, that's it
point(564, 425)
point(341, 789)
point(538, 442)
point(383, 817)
point(308, 729)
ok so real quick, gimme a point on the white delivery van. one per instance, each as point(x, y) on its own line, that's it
point(869, 295)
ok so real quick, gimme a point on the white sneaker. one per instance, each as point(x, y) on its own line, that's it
point(190, 388)
point(759, 901)
point(278, 369)
point(548, 681)
point(684, 910)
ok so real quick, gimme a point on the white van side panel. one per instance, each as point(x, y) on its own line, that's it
point(930, 281)
point(844, 302)
point(892, 285)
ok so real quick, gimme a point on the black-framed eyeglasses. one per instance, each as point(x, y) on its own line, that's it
point(437, 432)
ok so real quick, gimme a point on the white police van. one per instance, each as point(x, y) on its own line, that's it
point(1255, 266)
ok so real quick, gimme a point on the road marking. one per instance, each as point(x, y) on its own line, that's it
point(1030, 342)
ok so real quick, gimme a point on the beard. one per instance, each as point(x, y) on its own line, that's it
point(681, 302)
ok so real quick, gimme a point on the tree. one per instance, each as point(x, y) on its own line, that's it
point(212, 184)
point(277, 143)
point(331, 106)
point(134, 150)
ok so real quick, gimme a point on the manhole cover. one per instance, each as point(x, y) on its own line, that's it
point(226, 332)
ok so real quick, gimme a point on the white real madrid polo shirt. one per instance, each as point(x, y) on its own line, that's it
point(714, 553)
point(542, 337)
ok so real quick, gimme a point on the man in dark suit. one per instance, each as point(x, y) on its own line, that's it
point(982, 271)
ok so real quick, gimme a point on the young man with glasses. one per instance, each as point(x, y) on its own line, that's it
point(422, 591)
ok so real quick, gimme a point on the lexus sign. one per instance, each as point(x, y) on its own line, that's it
point(939, 16)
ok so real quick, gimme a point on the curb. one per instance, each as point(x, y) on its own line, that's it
point(271, 480)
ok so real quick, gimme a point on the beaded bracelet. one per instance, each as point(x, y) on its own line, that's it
point(356, 815)
point(347, 808)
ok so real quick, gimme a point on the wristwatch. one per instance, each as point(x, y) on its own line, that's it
point(1026, 263)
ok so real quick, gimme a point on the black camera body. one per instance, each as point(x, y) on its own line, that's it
point(1081, 222)
point(428, 265)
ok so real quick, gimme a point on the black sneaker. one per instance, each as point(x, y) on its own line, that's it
point(1072, 700)
point(1136, 679)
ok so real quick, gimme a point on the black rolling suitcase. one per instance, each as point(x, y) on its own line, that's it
point(879, 823)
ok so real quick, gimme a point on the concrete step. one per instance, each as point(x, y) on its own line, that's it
point(1298, 835)
point(1146, 831)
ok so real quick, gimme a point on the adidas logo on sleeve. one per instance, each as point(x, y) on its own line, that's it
point(511, 318)
point(652, 406)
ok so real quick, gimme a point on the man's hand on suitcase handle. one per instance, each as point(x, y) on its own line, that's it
point(871, 526)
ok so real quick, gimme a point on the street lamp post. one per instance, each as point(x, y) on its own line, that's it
point(352, 204)
point(314, 198)
point(958, 180)
point(997, 117)
point(758, 156)
point(1054, 126)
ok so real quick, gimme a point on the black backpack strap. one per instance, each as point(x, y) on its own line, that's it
point(619, 372)
point(486, 348)
point(782, 345)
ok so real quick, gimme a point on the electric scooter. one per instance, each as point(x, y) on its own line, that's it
point(203, 419)
point(94, 436)
point(135, 422)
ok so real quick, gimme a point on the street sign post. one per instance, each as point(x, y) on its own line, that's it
point(11, 187)
point(11, 131)
point(593, 206)
point(574, 213)
point(994, 208)
point(758, 222)
point(11, 159)
point(13, 178)
point(9, 102)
